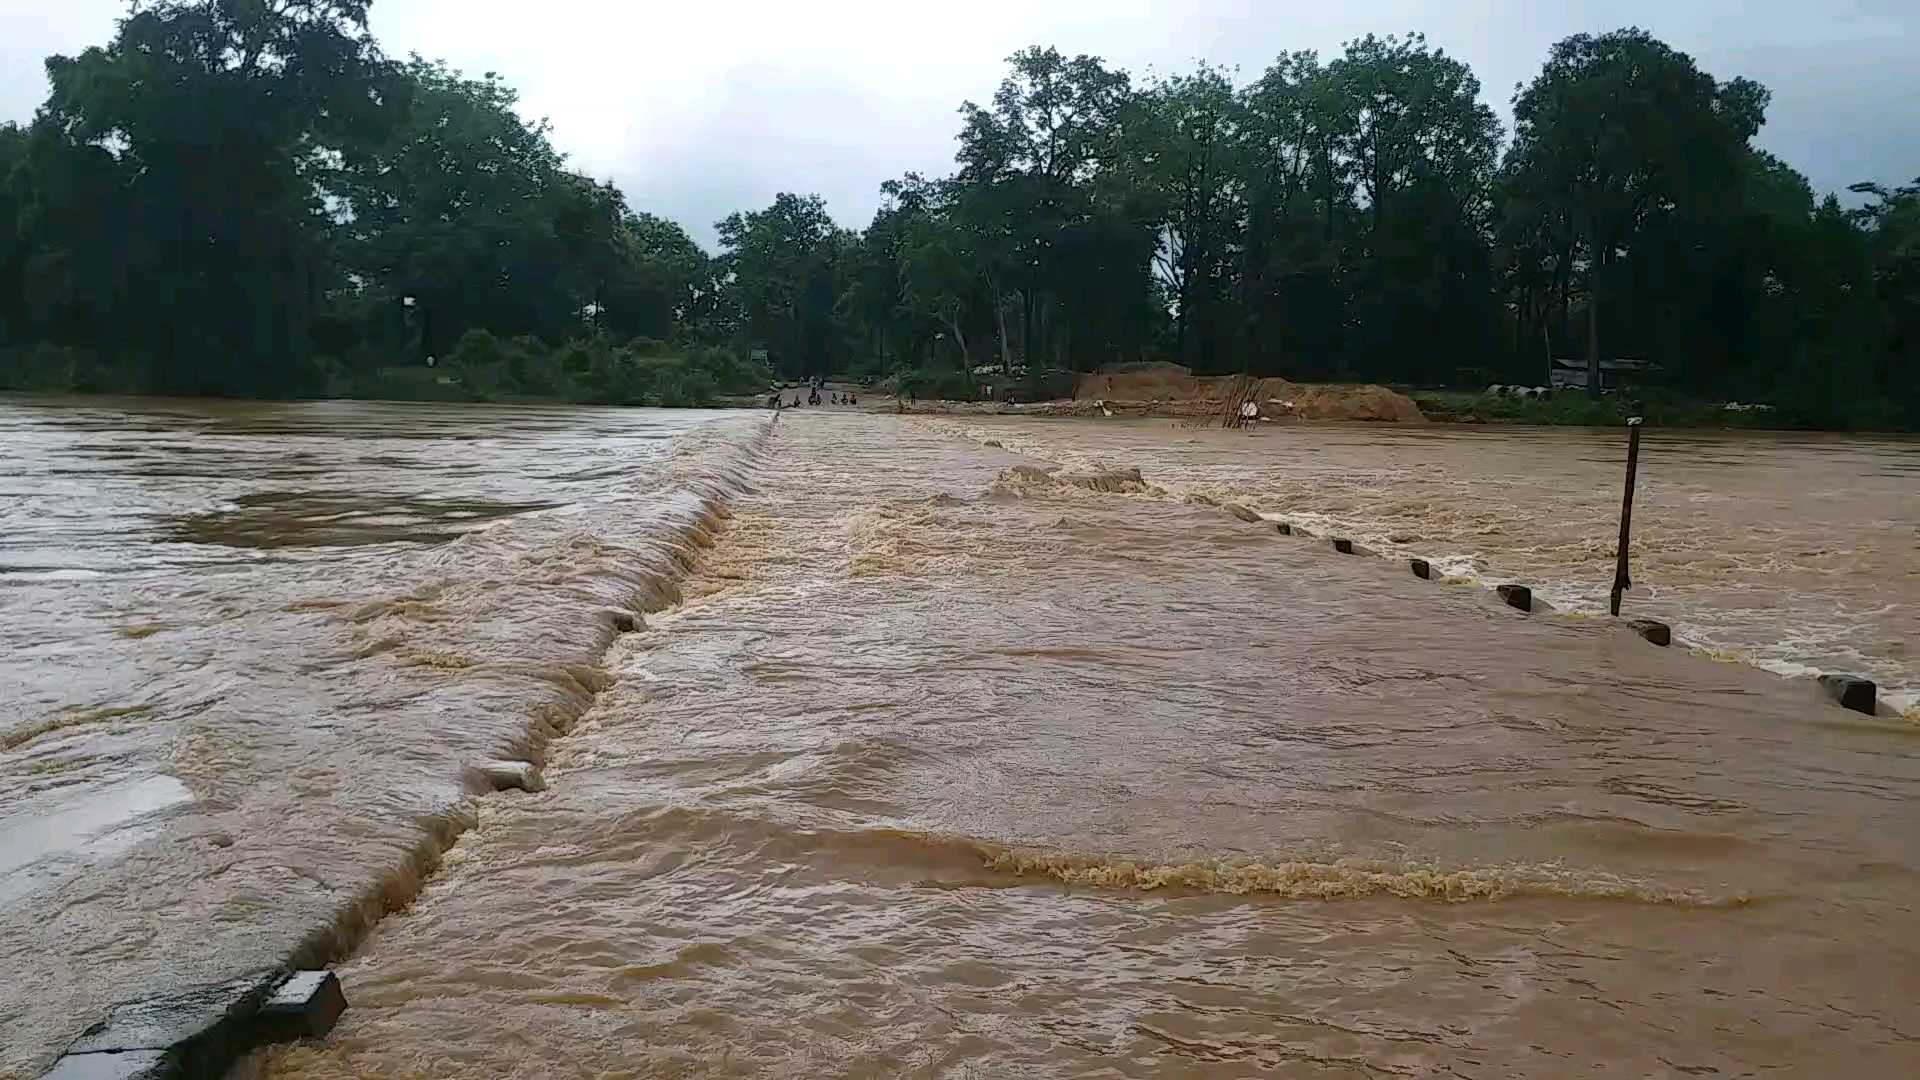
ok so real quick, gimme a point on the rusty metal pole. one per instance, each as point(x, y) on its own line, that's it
point(1621, 583)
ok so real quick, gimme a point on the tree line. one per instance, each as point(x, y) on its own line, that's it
point(239, 197)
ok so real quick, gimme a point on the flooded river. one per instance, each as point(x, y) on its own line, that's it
point(246, 651)
point(938, 760)
point(1796, 552)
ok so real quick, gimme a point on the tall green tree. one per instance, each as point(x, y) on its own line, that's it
point(1293, 284)
point(1421, 150)
point(467, 212)
point(665, 284)
point(1186, 149)
point(213, 122)
point(1892, 221)
point(13, 247)
point(1619, 129)
point(779, 264)
point(1027, 190)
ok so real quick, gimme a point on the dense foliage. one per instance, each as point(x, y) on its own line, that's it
point(238, 197)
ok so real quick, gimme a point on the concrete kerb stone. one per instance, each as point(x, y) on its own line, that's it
point(200, 1032)
point(306, 1006)
point(1516, 596)
point(108, 1065)
point(1652, 630)
point(1851, 692)
point(508, 776)
point(1847, 691)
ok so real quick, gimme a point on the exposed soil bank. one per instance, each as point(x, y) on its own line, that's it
point(1173, 391)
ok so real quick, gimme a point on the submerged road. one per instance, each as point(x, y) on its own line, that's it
point(948, 765)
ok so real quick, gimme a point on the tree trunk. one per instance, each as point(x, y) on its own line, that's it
point(1593, 326)
point(1180, 318)
point(960, 339)
point(1032, 326)
point(1000, 314)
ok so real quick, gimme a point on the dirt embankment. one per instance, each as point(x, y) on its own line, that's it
point(1172, 390)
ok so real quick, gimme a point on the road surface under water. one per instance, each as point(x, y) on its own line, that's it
point(1796, 552)
point(247, 651)
point(950, 765)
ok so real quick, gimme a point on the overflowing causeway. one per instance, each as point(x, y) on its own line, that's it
point(870, 749)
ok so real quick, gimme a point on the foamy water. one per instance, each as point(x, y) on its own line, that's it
point(248, 651)
point(947, 764)
point(1799, 553)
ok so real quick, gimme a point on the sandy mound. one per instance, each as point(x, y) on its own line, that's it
point(1170, 389)
point(1365, 401)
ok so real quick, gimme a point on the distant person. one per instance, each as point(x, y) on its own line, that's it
point(1249, 413)
point(851, 399)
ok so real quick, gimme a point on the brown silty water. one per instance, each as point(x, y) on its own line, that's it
point(1799, 553)
point(247, 652)
point(957, 763)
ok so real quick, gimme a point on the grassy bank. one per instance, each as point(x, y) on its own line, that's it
point(594, 370)
point(1663, 409)
point(953, 384)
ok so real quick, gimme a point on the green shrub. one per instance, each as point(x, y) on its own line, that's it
point(867, 370)
point(480, 367)
point(410, 383)
point(940, 384)
point(61, 369)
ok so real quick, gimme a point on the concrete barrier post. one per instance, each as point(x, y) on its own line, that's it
point(1658, 633)
point(306, 1006)
point(1516, 596)
point(1850, 692)
point(510, 776)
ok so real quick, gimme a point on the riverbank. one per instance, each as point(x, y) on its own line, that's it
point(485, 369)
point(479, 368)
point(1575, 408)
point(1360, 402)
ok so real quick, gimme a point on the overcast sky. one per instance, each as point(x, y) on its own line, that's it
point(699, 107)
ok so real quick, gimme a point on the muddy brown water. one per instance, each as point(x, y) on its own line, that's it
point(1799, 553)
point(246, 650)
point(937, 766)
